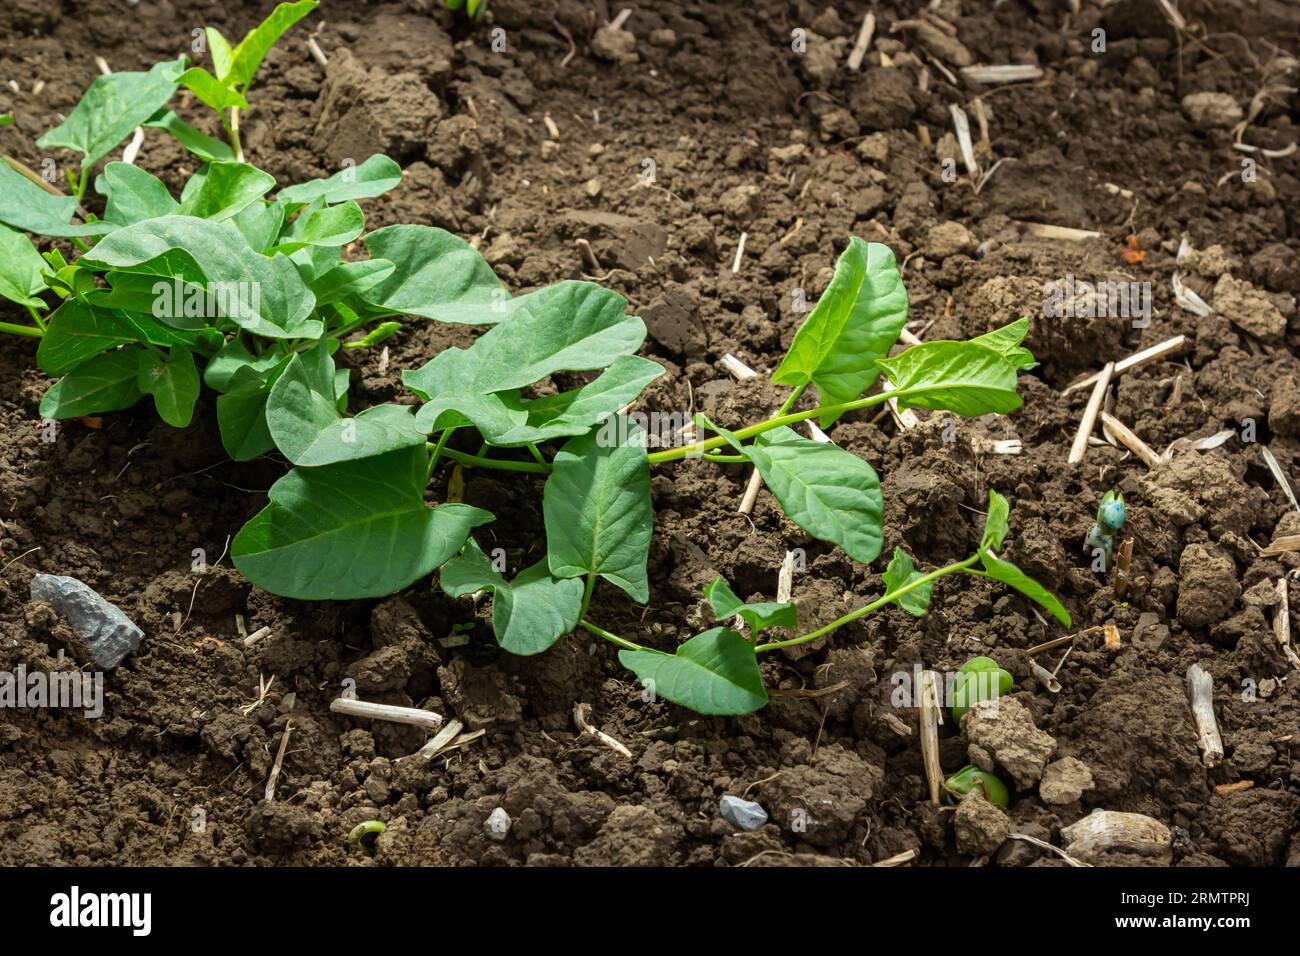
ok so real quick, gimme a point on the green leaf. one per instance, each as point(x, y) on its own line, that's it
point(21, 269)
point(376, 176)
point(1006, 341)
point(962, 377)
point(902, 572)
point(265, 296)
point(259, 223)
point(219, 49)
point(241, 416)
point(221, 370)
point(437, 276)
point(26, 206)
point(759, 615)
point(830, 493)
point(106, 383)
point(77, 332)
point(221, 191)
point(133, 195)
point(530, 613)
point(380, 333)
point(329, 226)
point(713, 673)
point(1012, 576)
point(357, 529)
point(304, 420)
point(855, 322)
point(210, 90)
point(997, 524)
point(248, 56)
point(207, 148)
point(111, 108)
point(599, 519)
point(349, 279)
point(173, 381)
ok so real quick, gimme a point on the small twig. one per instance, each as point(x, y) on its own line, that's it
point(931, 717)
point(573, 47)
point(1130, 440)
point(1089, 421)
point(1136, 360)
point(440, 741)
point(1044, 845)
point(1045, 677)
point(257, 635)
point(863, 43)
point(279, 761)
point(1200, 691)
point(898, 859)
point(580, 718)
point(317, 53)
point(368, 710)
point(1282, 623)
point(740, 252)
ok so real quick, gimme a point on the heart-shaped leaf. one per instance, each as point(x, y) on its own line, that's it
point(357, 529)
point(133, 195)
point(901, 572)
point(21, 268)
point(759, 615)
point(599, 518)
point(436, 275)
point(106, 383)
point(713, 673)
point(856, 321)
point(530, 613)
point(173, 381)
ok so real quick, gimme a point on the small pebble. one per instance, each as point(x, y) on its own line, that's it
point(745, 814)
point(109, 634)
point(497, 825)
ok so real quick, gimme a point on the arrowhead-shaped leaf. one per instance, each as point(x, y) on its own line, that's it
point(357, 529)
point(21, 267)
point(963, 377)
point(248, 55)
point(222, 191)
point(106, 383)
point(760, 615)
point(376, 176)
point(856, 321)
point(133, 195)
point(111, 108)
point(436, 275)
point(598, 513)
point(713, 673)
point(173, 381)
point(530, 613)
point(902, 572)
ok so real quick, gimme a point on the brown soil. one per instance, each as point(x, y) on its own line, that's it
point(123, 506)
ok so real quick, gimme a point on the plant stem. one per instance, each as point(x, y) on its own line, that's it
point(586, 593)
point(232, 128)
point(475, 461)
point(612, 638)
point(541, 459)
point(794, 397)
point(21, 330)
point(725, 459)
point(699, 447)
point(36, 317)
point(437, 449)
point(874, 605)
point(81, 185)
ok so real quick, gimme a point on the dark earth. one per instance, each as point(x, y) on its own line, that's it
point(799, 153)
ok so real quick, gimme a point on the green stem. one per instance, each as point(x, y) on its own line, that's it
point(612, 638)
point(232, 128)
point(587, 592)
point(21, 330)
point(36, 317)
point(81, 184)
point(725, 459)
point(699, 447)
point(873, 606)
point(437, 450)
point(794, 397)
point(541, 459)
point(476, 461)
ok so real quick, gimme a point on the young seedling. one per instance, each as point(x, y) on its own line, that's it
point(969, 777)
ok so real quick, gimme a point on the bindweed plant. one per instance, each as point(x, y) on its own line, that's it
point(253, 297)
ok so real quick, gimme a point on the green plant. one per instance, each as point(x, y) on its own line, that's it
point(969, 777)
point(980, 678)
point(473, 8)
point(253, 298)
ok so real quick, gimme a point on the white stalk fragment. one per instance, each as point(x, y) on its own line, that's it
point(785, 579)
point(1136, 360)
point(1043, 230)
point(1089, 421)
point(1279, 475)
point(863, 43)
point(738, 369)
point(906, 418)
point(1281, 545)
point(440, 740)
point(317, 53)
point(256, 636)
point(279, 762)
point(1044, 845)
point(1130, 440)
point(1196, 444)
point(1104, 830)
point(898, 859)
point(751, 493)
point(1200, 691)
point(961, 124)
point(580, 718)
point(367, 710)
point(931, 718)
point(1001, 73)
point(1282, 623)
point(740, 252)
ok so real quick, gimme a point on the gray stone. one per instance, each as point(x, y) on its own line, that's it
point(745, 814)
point(109, 634)
point(497, 825)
